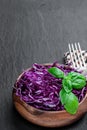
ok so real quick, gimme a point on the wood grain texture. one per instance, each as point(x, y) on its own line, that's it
point(47, 118)
point(36, 31)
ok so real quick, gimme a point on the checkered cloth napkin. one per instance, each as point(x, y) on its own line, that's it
point(67, 58)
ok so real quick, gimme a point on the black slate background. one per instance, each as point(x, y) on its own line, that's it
point(36, 31)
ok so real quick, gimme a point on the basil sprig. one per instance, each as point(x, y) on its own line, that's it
point(71, 80)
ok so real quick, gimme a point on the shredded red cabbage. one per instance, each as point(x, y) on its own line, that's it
point(40, 89)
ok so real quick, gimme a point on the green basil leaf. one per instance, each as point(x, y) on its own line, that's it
point(56, 72)
point(72, 103)
point(63, 96)
point(69, 100)
point(78, 84)
point(67, 84)
point(78, 80)
point(72, 74)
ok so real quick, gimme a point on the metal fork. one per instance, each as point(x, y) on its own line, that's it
point(77, 58)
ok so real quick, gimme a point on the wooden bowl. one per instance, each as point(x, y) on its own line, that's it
point(48, 118)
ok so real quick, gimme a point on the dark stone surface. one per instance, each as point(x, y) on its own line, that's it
point(36, 31)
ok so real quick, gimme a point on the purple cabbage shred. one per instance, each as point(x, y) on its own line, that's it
point(40, 89)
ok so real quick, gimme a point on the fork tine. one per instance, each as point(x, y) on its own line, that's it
point(70, 51)
point(78, 56)
point(84, 64)
point(75, 57)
